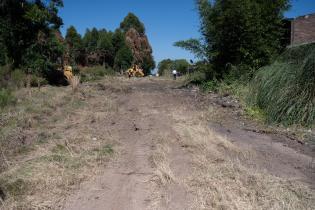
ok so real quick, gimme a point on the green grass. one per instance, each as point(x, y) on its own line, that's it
point(285, 90)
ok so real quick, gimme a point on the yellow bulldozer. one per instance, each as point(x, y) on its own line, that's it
point(135, 71)
point(67, 72)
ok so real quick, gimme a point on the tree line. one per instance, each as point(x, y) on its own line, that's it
point(102, 47)
point(238, 36)
point(30, 40)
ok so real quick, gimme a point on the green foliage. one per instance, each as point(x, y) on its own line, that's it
point(132, 21)
point(285, 90)
point(165, 66)
point(211, 85)
point(148, 64)
point(24, 23)
point(181, 65)
point(105, 48)
point(75, 45)
point(197, 77)
point(118, 40)
point(43, 56)
point(6, 98)
point(124, 58)
point(90, 40)
point(255, 113)
point(73, 38)
point(195, 46)
point(238, 32)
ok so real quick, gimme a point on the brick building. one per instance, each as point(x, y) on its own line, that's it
point(303, 29)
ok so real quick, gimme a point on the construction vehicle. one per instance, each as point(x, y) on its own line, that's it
point(135, 71)
point(67, 72)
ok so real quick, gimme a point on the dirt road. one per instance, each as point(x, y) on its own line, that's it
point(171, 154)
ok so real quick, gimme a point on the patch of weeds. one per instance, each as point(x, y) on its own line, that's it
point(212, 85)
point(14, 187)
point(59, 149)
point(59, 158)
point(6, 98)
point(23, 150)
point(104, 151)
point(255, 112)
point(43, 137)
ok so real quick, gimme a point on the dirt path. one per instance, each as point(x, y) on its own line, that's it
point(168, 157)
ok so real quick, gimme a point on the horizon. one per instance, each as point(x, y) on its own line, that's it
point(160, 26)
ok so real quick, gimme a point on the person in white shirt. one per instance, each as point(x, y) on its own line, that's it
point(174, 72)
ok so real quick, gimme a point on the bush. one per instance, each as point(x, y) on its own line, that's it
point(285, 90)
point(197, 77)
point(212, 85)
point(38, 81)
point(95, 73)
point(18, 78)
point(6, 98)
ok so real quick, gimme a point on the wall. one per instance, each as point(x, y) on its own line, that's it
point(303, 29)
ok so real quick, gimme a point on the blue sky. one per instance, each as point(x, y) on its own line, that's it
point(166, 21)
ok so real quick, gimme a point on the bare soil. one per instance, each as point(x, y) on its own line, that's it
point(154, 162)
point(176, 148)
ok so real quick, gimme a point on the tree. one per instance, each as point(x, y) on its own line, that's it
point(165, 66)
point(148, 64)
point(195, 46)
point(105, 48)
point(124, 58)
point(132, 21)
point(90, 40)
point(118, 40)
point(239, 32)
point(43, 57)
point(138, 42)
point(75, 45)
point(22, 21)
point(181, 65)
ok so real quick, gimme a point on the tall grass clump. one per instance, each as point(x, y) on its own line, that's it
point(285, 90)
point(6, 98)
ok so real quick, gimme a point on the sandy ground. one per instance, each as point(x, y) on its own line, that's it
point(172, 154)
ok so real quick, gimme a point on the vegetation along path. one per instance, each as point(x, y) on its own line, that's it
point(151, 144)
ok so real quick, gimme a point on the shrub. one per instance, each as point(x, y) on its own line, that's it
point(212, 85)
point(95, 73)
point(38, 81)
point(18, 78)
point(6, 98)
point(197, 77)
point(285, 90)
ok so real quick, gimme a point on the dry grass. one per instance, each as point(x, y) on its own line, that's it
point(161, 163)
point(50, 143)
point(74, 82)
point(219, 180)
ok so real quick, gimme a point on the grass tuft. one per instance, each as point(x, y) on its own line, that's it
point(285, 90)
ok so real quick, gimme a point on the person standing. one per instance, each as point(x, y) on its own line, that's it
point(174, 72)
